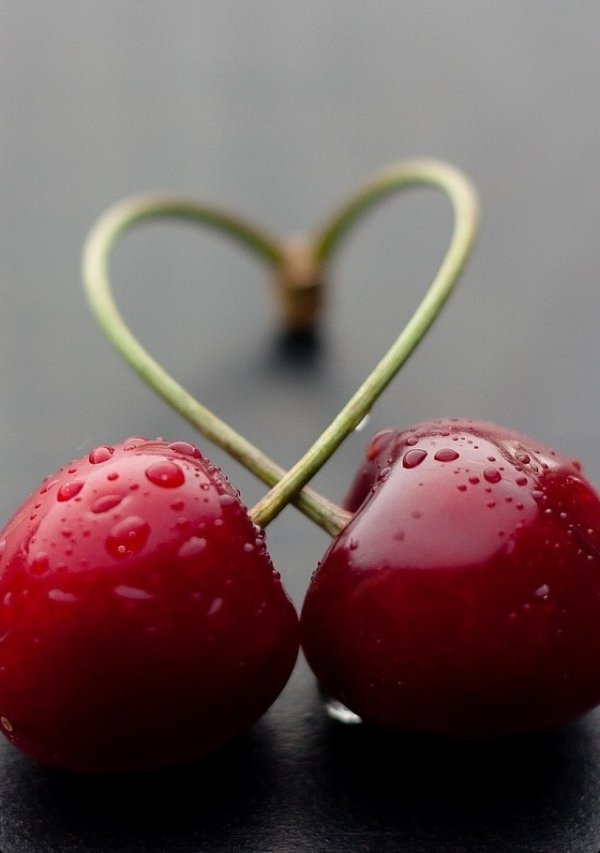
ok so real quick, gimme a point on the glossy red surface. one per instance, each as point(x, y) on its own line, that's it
point(141, 621)
point(464, 596)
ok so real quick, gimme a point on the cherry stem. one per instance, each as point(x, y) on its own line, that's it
point(99, 244)
point(302, 283)
point(466, 217)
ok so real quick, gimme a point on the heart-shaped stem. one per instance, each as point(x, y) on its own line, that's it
point(286, 487)
point(466, 216)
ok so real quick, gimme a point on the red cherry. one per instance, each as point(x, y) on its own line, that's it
point(463, 597)
point(141, 621)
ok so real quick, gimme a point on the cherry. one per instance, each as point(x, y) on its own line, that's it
point(141, 621)
point(463, 597)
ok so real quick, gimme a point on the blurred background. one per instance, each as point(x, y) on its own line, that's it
point(278, 109)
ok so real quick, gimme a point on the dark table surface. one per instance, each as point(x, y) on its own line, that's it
point(278, 109)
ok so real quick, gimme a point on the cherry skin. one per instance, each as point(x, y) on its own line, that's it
point(141, 621)
point(463, 598)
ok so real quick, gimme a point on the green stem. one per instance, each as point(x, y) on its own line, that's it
point(466, 214)
point(101, 240)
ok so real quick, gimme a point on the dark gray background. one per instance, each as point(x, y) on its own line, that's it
point(278, 109)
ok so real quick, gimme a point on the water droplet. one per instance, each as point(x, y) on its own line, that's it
point(128, 537)
point(178, 505)
point(492, 475)
point(166, 474)
point(185, 448)
point(491, 504)
point(227, 500)
point(521, 481)
point(215, 606)
point(412, 440)
point(576, 464)
point(6, 724)
point(248, 548)
point(106, 502)
point(101, 454)
point(412, 458)
point(353, 544)
point(133, 593)
point(192, 547)
point(114, 475)
point(474, 480)
point(69, 489)
point(462, 488)
point(62, 596)
point(446, 454)
point(542, 591)
point(523, 458)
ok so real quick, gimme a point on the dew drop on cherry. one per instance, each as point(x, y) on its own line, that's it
point(446, 454)
point(227, 500)
point(192, 547)
point(69, 489)
point(166, 474)
point(62, 596)
point(127, 537)
point(216, 605)
point(492, 475)
point(185, 448)
point(132, 593)
point(106, 503)
point(413, 458)
point(101, 454)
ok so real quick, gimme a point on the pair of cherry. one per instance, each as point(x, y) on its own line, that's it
point(142, 622)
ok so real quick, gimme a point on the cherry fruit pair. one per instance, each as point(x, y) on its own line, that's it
point(142, 623)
